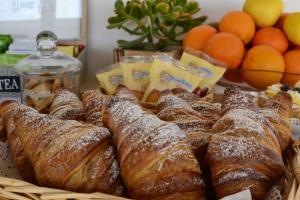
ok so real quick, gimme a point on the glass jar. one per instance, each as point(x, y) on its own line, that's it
point(47, 71)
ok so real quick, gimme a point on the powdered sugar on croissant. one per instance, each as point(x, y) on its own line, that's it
point(66, 105)
point(92, 103)
point(68, 154)
point(156, 162)
point(244, 152)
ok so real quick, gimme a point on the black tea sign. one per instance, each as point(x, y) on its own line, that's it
point(10, 85)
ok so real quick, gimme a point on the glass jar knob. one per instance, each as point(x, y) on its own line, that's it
point(46, 41)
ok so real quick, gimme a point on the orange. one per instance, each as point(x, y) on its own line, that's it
point(279, 23)
point(263, 66)
point(239, 23)
point(273, 37)
point(292, 66)
point(197, 36)
point(227, 48)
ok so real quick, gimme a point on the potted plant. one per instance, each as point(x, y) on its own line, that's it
point(158, 25)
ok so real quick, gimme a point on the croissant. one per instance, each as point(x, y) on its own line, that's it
point(2, 132)
point(189, 97)
point(67, 106)
point(196, 125)
point(68, 155)
point(278, 110)
point(92, 103)
point(123, 92)
point(206, 109)
point(23, 164)
point(243, 152)
point(155, 160)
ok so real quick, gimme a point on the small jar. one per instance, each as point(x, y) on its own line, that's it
point(47, 71)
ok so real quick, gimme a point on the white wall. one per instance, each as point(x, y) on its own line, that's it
point(102, 41)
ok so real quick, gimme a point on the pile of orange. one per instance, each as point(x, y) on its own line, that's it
point(269, 53)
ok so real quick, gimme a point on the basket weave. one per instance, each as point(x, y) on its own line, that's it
point(294, 185)
point(13, 189)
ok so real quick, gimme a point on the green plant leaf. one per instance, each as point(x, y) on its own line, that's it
point(174, 15)
point(150, 3)
point(185, 25)
point(198, 21)
point(132, 44)
point(144, 11)
point(178, 8)
point(116, 22)
point(128, 7)
point(115, 19)
point(119, 6)
point(136, 11)
point(167, 18)
point(116, 25)
point(155, 32)
point(132, 32)
point(162, 7)
point(192, 7)
point(181, 2)
point(184, 17)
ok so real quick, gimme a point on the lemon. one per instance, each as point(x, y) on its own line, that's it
point(291, 27)
point(264, 12)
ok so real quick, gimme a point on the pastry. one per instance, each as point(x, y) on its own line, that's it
point(196, 124)
point(243, 152)
point(39, 91)
point(295, 111)
point(68, 154)
point(67, 106)
point(8, 111)
point(189, 97)
point(156, 161)
point(123, 92)
point(278, 110)
point(197, 103)
point(92, 103)
point(40, 96)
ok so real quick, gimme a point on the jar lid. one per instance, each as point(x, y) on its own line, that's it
point(47, 61)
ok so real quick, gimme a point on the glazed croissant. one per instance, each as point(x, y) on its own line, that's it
point(156, 162)
point(67, 106)
point(277, 110)
point(22, 161)
point(92, 103)
point(196, 125)
point(244, 151)
point(68, 154)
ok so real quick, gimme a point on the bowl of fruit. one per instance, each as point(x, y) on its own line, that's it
point(258, 49)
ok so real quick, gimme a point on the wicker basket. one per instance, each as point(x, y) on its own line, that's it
point(15, 189)
point(21, 190)
point(12, 187)
point(293, 185)
point(295, 191)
